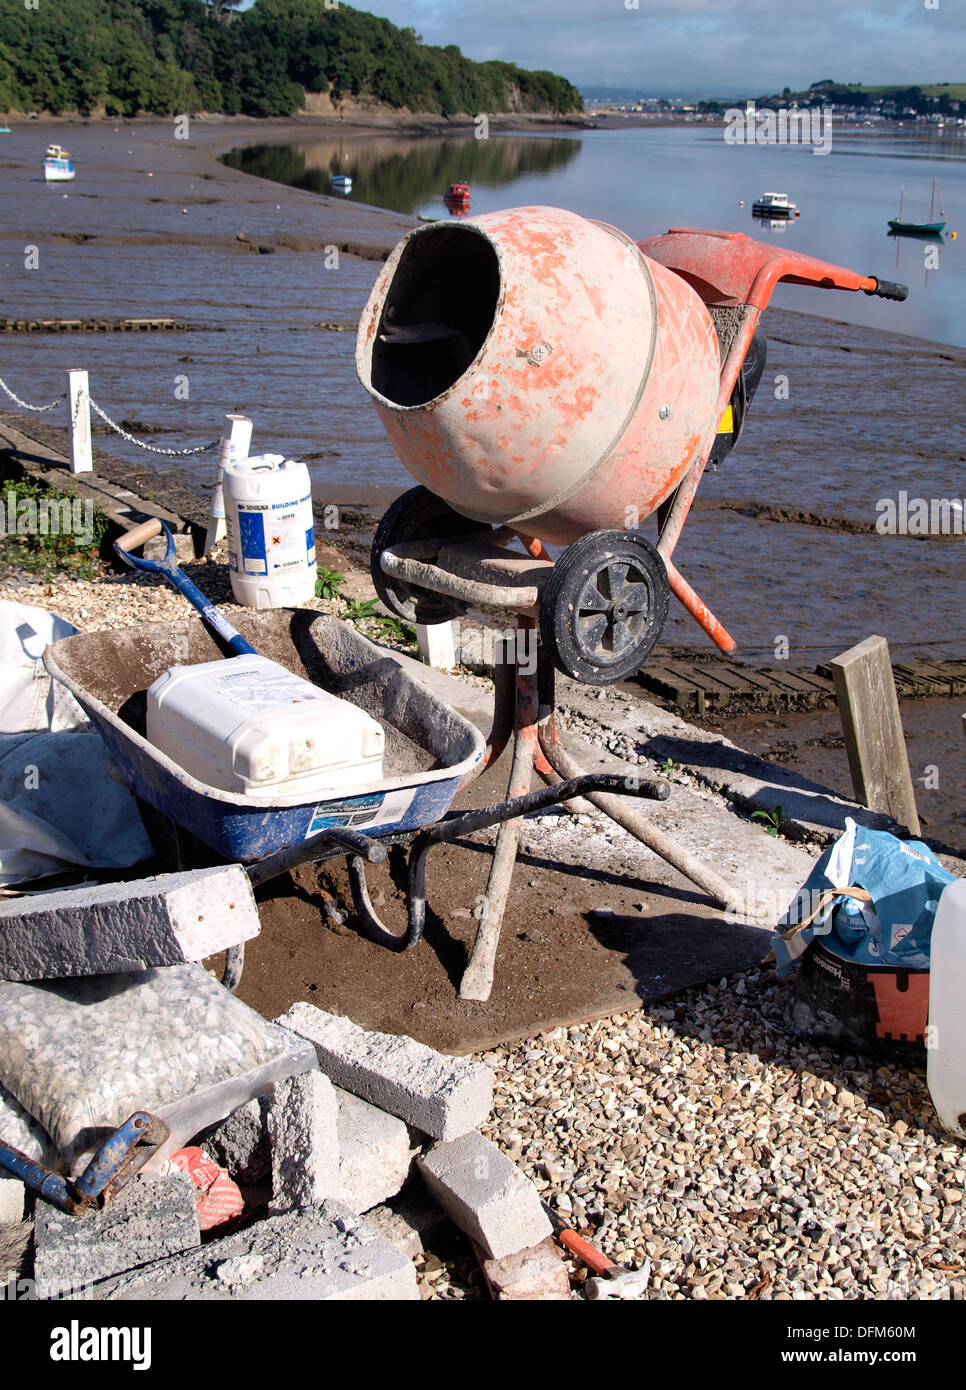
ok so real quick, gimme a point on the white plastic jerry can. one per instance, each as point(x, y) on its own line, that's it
point(249, 726)
point(271, 533)
point(946, 1038)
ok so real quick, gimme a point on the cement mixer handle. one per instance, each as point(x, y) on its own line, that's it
point(888, 289)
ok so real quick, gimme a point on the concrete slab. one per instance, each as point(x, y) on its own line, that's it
point(297, 1256)
point(376, 1152)
point(536, 1274)
point(112, 928)
point(303, 1137)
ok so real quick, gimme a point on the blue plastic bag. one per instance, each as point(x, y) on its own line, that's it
point(871, 898)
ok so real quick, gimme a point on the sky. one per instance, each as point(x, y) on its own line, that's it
point(702, 47)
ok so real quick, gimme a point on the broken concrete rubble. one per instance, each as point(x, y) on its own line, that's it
point(326, 1253)
point(111, 928)
point(152, 1217)
point(240, 1142)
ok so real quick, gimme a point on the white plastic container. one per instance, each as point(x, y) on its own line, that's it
point(946, 1039)
point(271, 534)
point(249, 726)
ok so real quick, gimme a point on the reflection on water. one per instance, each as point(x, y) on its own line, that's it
point(404, 175)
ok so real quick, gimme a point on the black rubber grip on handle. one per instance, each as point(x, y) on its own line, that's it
point(888, 289)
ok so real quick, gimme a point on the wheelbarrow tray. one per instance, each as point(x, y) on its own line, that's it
point(429, 747)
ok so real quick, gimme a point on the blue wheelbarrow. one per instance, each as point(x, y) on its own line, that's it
point(430, 751)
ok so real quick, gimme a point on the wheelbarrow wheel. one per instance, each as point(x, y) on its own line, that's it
point(604, 606)
point(417, 515)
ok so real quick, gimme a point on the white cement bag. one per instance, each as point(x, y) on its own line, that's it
point(59, 808)
point(83, 1055)
point(29, 697)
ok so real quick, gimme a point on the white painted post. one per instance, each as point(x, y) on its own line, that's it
point(79, 422)
point(235, 442)
point(437, 644)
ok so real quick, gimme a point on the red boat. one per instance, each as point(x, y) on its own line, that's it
point(457, 193)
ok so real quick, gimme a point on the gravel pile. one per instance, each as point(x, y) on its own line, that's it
point(743, 1162)
point(119, 601)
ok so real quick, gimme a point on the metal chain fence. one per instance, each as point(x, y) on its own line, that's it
point(25, 405)
point(151, 448)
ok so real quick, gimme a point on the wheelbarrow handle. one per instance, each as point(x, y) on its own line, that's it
point(325, 845)
point(168, 567)
point(469, 823)
point(889, 289)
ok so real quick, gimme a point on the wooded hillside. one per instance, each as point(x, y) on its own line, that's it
point(171, 56)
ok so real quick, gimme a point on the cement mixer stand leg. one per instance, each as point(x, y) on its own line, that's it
point(537, 746)
point(477, 979)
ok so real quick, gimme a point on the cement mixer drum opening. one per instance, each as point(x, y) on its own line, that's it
point(437, 314)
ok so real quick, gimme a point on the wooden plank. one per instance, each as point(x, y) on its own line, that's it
point(869, 710)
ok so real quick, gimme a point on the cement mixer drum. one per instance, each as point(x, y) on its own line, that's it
point(535, 369)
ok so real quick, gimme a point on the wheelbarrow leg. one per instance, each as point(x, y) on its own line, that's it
point(477, 979)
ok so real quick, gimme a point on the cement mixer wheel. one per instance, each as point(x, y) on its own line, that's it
point(604, 606)
point(417, 515)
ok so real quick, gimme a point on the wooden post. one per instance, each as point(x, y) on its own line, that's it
point(79, 422)
point(865, 692)
point(235, 442)
point(437, 644)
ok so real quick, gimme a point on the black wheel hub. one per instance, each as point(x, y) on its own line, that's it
point(611, 611)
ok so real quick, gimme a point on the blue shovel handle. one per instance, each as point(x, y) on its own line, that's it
point(168, 567)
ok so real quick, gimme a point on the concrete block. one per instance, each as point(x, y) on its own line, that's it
point(326, 1253)
point(442, 1096)
point(376, 1152)
point(240, 1143)
point(112, 928)
point(12, 1195)
point(536, 1274)
point(303, 1137)
point(152, 1217)
point(485, 1194)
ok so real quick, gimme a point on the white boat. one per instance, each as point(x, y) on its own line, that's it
point(57, 165)
point(342, 183)
point(774, 205)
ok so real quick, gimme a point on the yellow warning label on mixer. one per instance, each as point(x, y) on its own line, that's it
point(727, 425)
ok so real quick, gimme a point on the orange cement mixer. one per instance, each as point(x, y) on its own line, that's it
point(545, 375)
point(535, 369)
